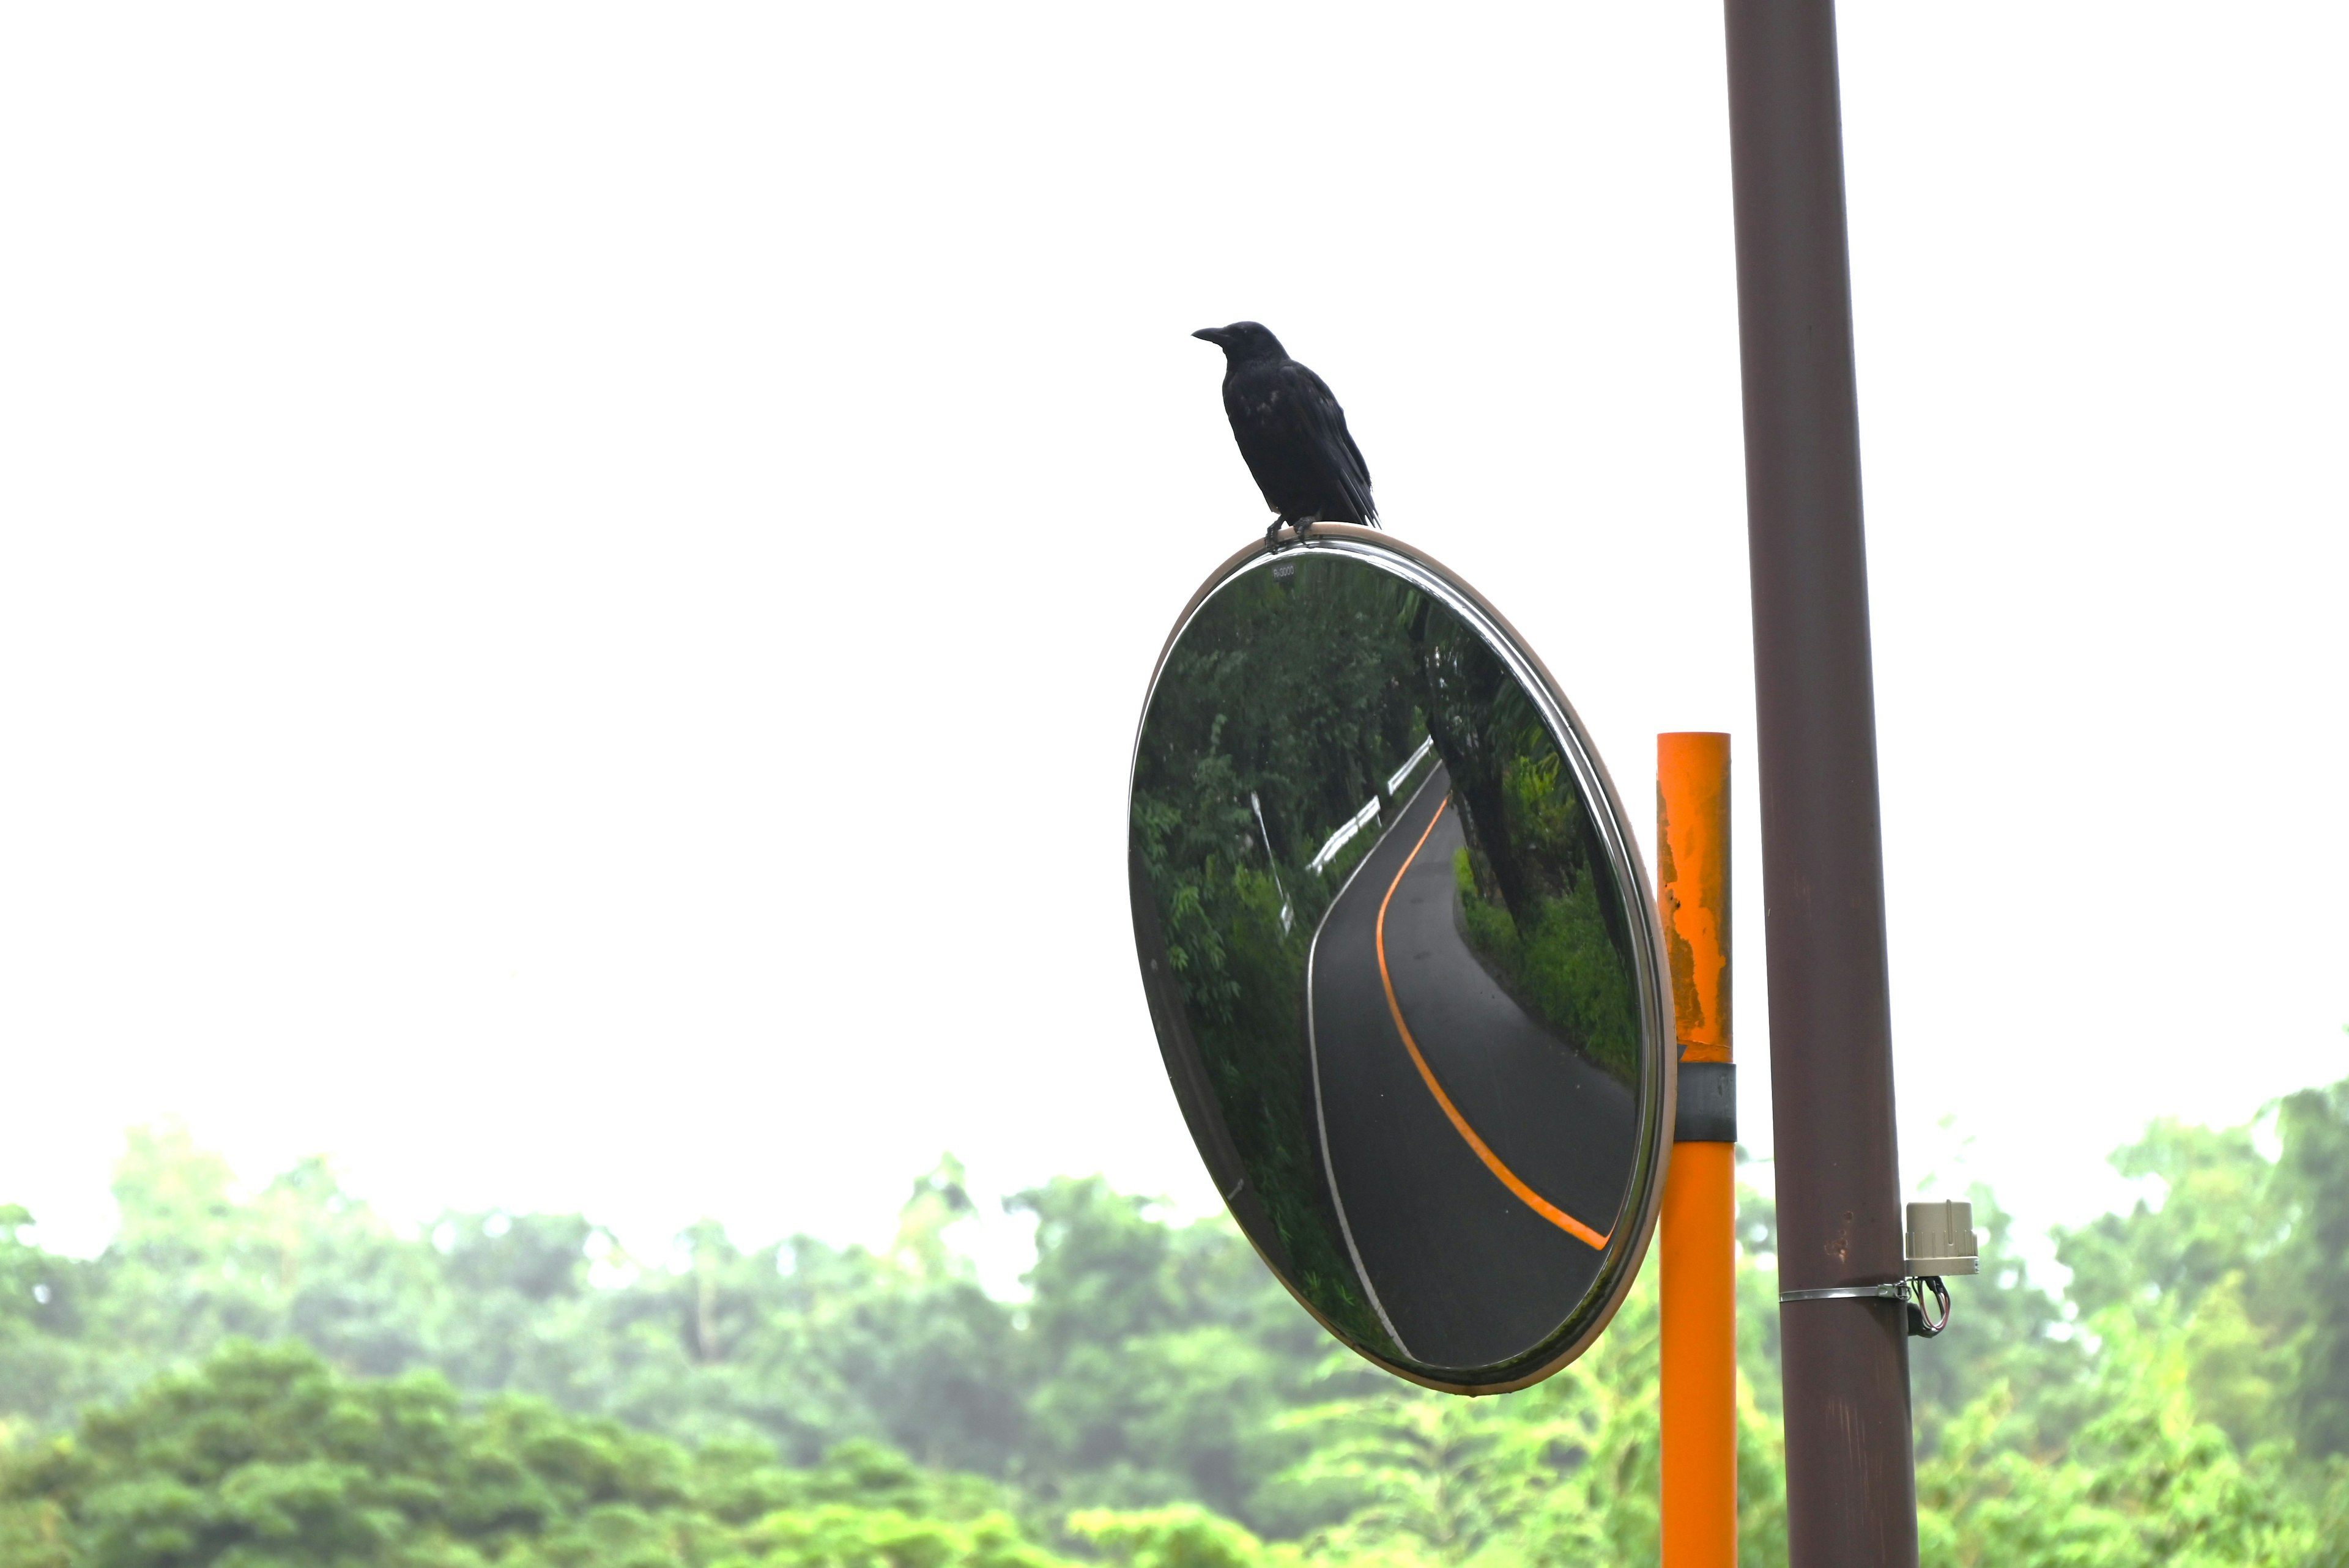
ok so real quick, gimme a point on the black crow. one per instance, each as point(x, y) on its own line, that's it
point(1291, 431)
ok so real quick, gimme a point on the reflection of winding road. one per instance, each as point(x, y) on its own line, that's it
point(1452, 1238)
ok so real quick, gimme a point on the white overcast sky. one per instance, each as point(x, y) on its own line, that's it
point(575, 581)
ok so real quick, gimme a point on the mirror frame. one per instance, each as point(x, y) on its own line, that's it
point(1627, 1245)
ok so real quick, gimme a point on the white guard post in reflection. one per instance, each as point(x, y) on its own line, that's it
point(1361, 819)
point(1395, 784)
point(1345, 833)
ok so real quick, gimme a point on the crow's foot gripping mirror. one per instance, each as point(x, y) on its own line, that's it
point(1401, 960)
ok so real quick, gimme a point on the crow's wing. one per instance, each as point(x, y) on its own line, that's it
point(1293, 434)
point(1326, 422)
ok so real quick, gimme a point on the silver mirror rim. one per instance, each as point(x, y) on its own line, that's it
point(1635, 1228)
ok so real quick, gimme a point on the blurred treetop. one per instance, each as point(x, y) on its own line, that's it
point(289, 1379)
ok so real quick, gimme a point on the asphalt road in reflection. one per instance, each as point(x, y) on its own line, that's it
point(1464, 1271)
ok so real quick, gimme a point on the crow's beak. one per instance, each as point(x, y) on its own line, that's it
point(1213, 335)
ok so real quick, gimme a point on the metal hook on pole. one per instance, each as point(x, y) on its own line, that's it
point(1941, 1242)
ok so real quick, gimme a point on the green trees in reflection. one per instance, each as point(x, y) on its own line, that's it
point(1295, 696)
point(1538, 897)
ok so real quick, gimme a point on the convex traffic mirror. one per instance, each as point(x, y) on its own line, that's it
point(1400, 960)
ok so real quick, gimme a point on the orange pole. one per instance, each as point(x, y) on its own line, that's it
point(1699, 1286)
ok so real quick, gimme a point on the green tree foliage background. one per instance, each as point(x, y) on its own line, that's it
point(284, 1378)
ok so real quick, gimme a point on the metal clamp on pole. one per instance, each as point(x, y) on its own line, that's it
point(1707, 1109)
point(1941, 1242)
point(1896, 1290)
point(1909, 1293)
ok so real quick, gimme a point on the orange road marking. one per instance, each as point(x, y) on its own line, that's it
point(1509, 1179)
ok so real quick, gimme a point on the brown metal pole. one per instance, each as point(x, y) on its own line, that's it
point(1851, 1491)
